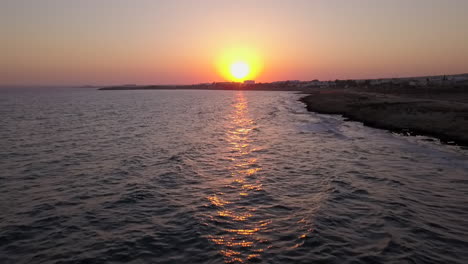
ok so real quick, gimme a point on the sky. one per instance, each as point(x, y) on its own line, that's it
point(107, 42)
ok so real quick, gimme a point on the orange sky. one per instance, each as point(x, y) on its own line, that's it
point(173, 42)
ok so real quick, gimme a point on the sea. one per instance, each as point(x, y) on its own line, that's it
point(180, 176)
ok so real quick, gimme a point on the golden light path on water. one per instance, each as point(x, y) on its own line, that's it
point(241, 240)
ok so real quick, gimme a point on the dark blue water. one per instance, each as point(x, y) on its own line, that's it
point(218, 177)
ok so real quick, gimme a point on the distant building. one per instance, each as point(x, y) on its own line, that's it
point(249, 82)
point(315, 84)
point(380, 81)
point(460, 79)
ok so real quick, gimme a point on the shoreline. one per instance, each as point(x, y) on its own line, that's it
point(441, 119)
point(438, 112)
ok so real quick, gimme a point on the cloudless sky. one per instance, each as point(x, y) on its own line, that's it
point(60, 42)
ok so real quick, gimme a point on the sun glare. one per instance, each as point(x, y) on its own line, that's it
point(240, 70)
point(239, 64)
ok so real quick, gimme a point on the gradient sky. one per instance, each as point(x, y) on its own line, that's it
point(100, 42)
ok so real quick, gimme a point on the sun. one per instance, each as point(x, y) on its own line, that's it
point(239, 63)
point(239, 70)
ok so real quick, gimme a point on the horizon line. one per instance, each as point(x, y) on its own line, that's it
point(183, 84)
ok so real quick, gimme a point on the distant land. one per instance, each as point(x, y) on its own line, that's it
point(276, 86)
point(296, 85)
point(435, 106)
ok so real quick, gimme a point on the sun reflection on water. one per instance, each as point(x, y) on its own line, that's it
point(240, 240)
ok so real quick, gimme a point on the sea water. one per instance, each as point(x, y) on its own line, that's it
point(91, 176)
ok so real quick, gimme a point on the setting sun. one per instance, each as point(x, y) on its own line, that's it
point(239, 64)
point(240, 70)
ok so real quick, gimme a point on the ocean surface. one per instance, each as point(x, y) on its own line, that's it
point(92, 176)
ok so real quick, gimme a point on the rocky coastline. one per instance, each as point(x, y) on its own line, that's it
point(414, 114)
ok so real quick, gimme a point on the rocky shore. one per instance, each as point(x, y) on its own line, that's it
point(415, 114)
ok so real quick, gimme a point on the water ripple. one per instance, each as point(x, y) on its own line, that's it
point(219, 177)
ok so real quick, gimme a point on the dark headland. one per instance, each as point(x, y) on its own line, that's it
point(435, 106)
